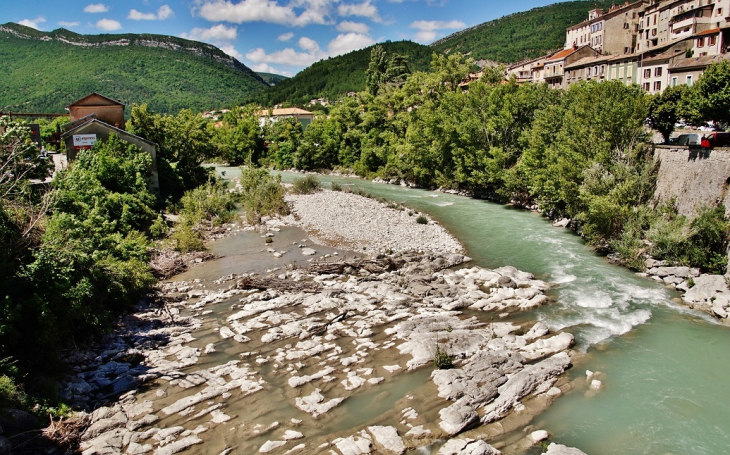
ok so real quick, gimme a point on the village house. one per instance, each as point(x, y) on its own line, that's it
point(94, 118)
point(274, 115)
point(609, 32)
point(554, 71)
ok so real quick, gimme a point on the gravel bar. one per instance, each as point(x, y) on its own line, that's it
point(356, 222)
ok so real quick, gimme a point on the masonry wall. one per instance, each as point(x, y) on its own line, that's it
point(694, 176)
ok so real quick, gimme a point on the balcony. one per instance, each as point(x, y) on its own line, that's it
point(688, 22)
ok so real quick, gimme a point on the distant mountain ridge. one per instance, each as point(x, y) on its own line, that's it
point(47, 70)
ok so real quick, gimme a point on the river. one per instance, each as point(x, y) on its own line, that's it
point(663, 366)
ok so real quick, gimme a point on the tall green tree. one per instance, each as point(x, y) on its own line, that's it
point(713, 93)
point(377, 69)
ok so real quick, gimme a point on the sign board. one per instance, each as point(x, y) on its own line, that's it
point(84, 141)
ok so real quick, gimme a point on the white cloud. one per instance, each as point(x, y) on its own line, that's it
point(428, 30)
point(108, 25)
point(290, 57)
point(216, 34)
point(33, 23)
point(365, 9)
point(96, 8)
point(164, 12)
point(346, 42)
point(313, 11)
point(352, 27)
point(68, 24)
point(309, 52)
point(230, 50)
point(285, 36)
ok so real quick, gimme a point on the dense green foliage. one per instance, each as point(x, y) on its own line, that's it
point(336, 76)
point(519, 36)
point(580, 153)
point(88, 264)
point(47, 75)
point(184, 141)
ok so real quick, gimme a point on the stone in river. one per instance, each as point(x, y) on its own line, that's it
point(467, 447)
point(559, 449)
point(387, 437)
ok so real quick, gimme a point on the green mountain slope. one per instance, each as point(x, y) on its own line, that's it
point(519, 36)
point(334, 77)
point(45, 71)
point(271, 78)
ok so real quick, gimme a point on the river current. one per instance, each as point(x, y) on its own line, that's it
point(664, 367)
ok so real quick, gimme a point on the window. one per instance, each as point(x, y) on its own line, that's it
point(700, 42)
point(719, 11)
point(653, 32)
point(626, 25)
point(626, 50)
point(645, 86)
point(658, 86)
point(689, 81)
point(711, 40)
point(655, 19)
point(657, 71)
point(647, 73)
point(674, 81)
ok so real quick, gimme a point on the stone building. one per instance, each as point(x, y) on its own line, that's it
point(609, 32)
point(105, 109)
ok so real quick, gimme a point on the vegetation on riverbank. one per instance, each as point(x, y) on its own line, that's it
point(582, 153)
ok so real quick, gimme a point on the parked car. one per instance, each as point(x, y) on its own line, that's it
point(717, 139)
point(687, 139)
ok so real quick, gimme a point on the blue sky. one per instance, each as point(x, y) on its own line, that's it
point(279, 36)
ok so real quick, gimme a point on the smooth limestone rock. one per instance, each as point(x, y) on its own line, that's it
point(457, 417)
point(539, 435)
point(270, 446)
point(525, 382)
point(467, 447)
point(559, 449)
point(388, 439)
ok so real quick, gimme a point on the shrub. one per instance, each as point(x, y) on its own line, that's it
point(334, 186)
point(262, 195)
point(421, 219)
point(210, 204)
point(306, 185)
point(186, 239)
point(442, 360)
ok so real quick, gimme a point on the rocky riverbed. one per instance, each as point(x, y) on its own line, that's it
point(280, 362)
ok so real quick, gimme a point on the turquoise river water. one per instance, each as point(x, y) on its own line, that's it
point(664, 367)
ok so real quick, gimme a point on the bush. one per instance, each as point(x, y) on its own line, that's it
point(186, 239)
point(262, 195)
point(334, 186)
point(209, 204)
point(421, 219)
point(306, 185)
point(442, 360)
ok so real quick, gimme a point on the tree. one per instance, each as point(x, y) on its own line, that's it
point(240, 137)
point(398, 70)
point(713, 93)
point(377, 69)
point(665, 109)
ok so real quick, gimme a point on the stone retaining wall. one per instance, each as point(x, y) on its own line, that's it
point(694, 176)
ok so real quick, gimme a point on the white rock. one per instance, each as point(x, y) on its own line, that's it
point(596, 384)
point(270, 446)
point(387, 437)
point(539, 435)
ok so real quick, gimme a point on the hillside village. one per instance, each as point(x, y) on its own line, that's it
point(655, 44)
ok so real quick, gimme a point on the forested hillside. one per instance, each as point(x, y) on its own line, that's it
point(334, 77)
point(45, 71)
point(528, 34)
point(271, 78)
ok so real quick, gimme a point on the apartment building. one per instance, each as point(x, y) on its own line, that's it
point(609, 32)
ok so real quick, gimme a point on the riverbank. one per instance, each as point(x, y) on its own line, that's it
point(207, 363)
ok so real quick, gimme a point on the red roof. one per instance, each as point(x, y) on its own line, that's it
point(562, 54)
point(712, 31)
